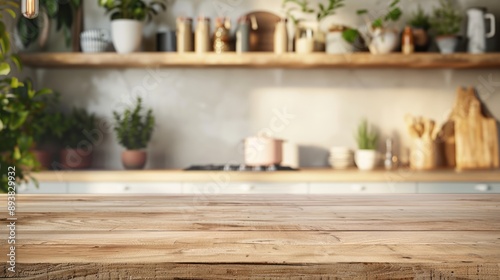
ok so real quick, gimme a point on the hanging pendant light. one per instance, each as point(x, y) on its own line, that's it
point(30, 8)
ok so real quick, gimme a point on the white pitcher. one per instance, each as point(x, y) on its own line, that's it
point(476, 29)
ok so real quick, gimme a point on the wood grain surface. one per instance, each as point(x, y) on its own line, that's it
point(255, 236)
point(262, 60)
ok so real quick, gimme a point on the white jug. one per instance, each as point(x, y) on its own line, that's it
point(476, 29)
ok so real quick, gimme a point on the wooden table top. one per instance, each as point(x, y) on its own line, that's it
point(243, 236)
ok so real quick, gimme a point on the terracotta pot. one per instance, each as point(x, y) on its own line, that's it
point(76, 158)
point(263, 151)
point(134, 159)
point(44, 157)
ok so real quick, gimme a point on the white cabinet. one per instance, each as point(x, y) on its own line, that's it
point(362, 188)
point(245, 188)
point(476, 188)
point(43, 188)
point(125, 188)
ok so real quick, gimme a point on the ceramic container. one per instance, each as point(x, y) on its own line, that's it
point(127, 35)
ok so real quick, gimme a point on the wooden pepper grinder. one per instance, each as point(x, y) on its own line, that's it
point(408, 45)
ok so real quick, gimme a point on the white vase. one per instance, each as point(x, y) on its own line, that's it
point(335, 43)
point(127, 35)
point(384, 41)
point(366, 159)
point(447, 44)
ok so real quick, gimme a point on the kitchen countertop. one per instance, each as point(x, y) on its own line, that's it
point(224, 237)
point(304, 175)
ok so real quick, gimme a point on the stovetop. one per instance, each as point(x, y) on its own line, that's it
point(239, 167)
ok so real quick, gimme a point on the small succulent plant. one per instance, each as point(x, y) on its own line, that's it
point(366, 137)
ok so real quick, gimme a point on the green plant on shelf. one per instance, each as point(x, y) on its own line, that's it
point(393, 14)
point(446, 19)
point(293, 7)
point(76, 125)
point(366, 137)
point(133, 129)
point(420, 19)
point(50, 123)
point(132, 9)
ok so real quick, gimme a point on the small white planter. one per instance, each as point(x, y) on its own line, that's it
point(384, 41)
point(127, 35)
point(335, 43)
point(447, 44)
point(366, 159)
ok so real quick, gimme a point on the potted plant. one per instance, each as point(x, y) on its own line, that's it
point(133, 130)
point(366, 157)
point(47, 131)
point(127, 19)
point(445, 23)
point(420, 24)
point(297, 9)
point(77, 152)
point(380, 37)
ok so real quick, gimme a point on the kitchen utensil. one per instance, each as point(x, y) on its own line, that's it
point(166, 41)
point(184, 35)
point(476, 134)
point(389, 157)
point(262, 33)
point(476, 29)
point(263, 151)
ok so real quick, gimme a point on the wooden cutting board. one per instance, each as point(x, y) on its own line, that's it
point(476, 135)
point(262, 39)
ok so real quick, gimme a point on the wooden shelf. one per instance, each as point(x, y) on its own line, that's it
point(261, 60)
point(305, 175)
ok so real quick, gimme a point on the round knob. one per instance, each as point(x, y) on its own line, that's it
point(358, 188)
point(127, 188)
point(482, 188)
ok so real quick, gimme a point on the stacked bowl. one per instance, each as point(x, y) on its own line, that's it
point(95, 40)
point(341, 158)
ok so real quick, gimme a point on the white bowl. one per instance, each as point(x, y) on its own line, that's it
point(93, 46)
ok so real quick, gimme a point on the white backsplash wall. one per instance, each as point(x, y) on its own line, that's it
point(203, 114)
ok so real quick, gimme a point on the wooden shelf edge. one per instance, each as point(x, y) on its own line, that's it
point(306, 175)
point(261, 60)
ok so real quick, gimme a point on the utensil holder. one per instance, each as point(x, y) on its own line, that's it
point(424, 154)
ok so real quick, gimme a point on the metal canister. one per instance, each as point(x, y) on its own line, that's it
point(202, 35)
point(243, 35)
point(184, 34)
point(222, 37)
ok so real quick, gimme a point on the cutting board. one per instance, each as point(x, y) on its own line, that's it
point(262, 39)
point(475, 134)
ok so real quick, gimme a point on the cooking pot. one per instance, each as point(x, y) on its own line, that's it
point(263, 151)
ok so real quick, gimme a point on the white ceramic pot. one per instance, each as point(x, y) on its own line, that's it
point(384, 41)
point(335, 43)
point(126, 35)
point(447, 44)
point(366, 159)
point(263, 151)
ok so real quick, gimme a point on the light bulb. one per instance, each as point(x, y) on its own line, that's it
point(30, 8)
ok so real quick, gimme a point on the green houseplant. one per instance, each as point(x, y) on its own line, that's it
point(134, 129)
point(380, 37)
point(366, 156)
point(445, 22)
point(420, 23)
point(127, 17)
point(61, 12)
point(47, 132)
point(78, 148)
point(19, 103)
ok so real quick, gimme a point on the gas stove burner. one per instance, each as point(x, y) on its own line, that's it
point(239, 167)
